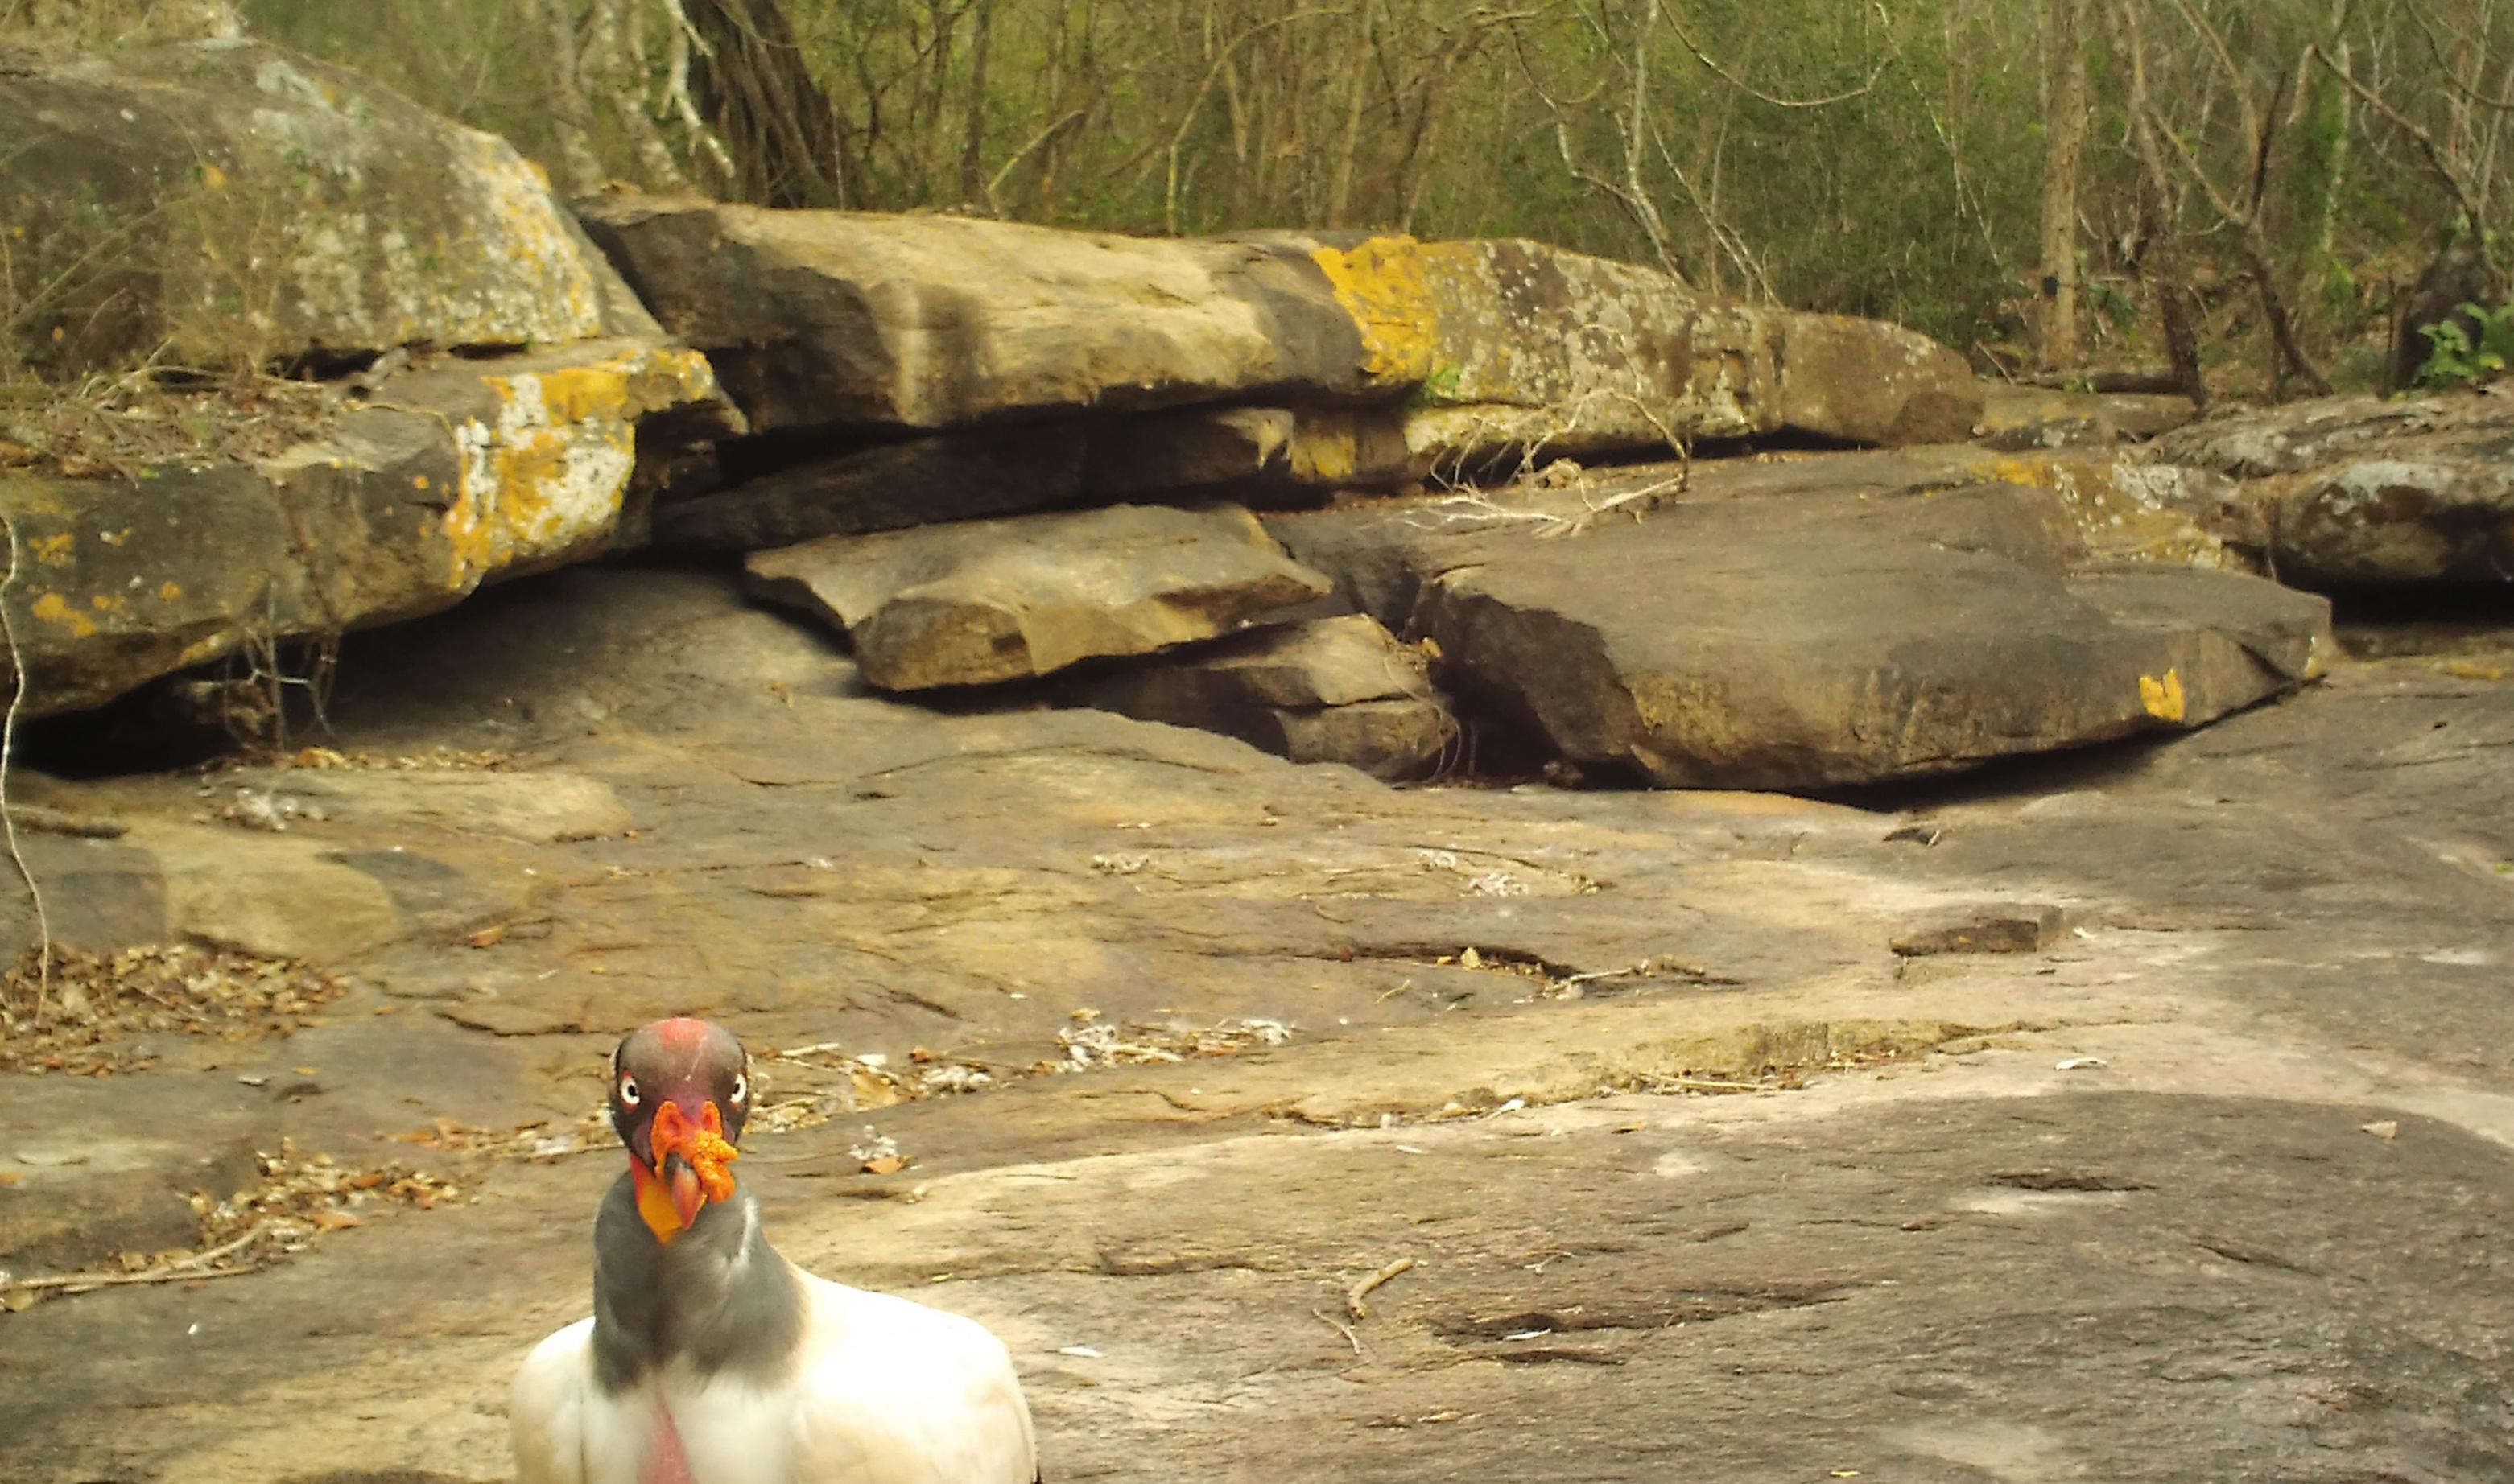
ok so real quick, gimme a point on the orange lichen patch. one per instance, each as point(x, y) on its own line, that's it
point(583, 393)
point(52, 607)
point(546, 478)
point(1381, 284)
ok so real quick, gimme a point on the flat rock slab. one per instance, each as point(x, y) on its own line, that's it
point(885, 487)
point(2113, 1228)
point(834, 318)
point(1338, 690)
point(2025, 418)
point(1817, 637)
point(986, 601)
point(820, 318)
point(2368, 490)
point(163, 187)
point(1513, 345)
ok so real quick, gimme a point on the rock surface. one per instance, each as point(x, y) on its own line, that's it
point(823, 318)
point(820, 318)
point(2362, 491)
point(456, 472)
point(986, 601)
point(2027, 418)
point(292, 209)
point(1257, 455)
point(1811, 638)
point(887, 487)
point(1916, 1247)
point(1338, 690)
point(1508, 347)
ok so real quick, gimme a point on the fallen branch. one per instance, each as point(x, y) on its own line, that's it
point(181, 1270)
point(1353, 1296)
point(83, 1282)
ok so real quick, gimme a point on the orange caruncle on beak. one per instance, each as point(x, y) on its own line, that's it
point(688, 1169)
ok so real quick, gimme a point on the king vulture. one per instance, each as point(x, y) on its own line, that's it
point(709, 1359)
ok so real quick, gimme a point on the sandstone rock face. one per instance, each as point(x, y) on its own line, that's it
point(1861, 381)
point(2027, 418)
point(201, 200)
point(1345, 362)
point(1507, 346)
point(886, 487)
point(460, 471)
point(1270, 454)
point(2188, 1091)
point(1338, 690)
point(2133, 510)
point(2357, 490)
point(820, 318)
point(1820, 637)
point(986, 601)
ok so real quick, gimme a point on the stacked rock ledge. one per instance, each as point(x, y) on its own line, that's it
point(401, 236)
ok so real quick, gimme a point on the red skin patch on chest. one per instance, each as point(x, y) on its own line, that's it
point(667, 1461)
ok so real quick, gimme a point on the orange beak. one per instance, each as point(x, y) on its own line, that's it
point(689, 1156)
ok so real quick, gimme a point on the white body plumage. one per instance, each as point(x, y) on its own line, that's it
point(881, 1391)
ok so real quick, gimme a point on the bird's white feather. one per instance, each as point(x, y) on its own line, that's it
point(882, 1390)
point(899, 1394)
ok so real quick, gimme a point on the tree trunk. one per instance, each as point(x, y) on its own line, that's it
point(1340, 192)
point(774, 119)
point(2065, 116)
point(2161, 263)
point(571, 117)
point(2287, 354)
point(973, 144)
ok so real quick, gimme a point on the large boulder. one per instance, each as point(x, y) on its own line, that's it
point(1507, 346)
point(1338, 690)
point(982, 601)
point(1816, 636)
point(1283, 361)
point(2362, 491)
point(454, 473)
point(231, 206)
point(225, 202)
point(850, 318)
point(2028, 418)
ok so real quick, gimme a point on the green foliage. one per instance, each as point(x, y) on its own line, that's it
point(2455, 360)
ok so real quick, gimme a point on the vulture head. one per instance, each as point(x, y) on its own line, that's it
point(680, 1091)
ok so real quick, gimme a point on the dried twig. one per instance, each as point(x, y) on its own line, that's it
point(1340, 1327)
point(1353, 1296)
point(181, 1270)
point(82, 1282)
point(7, 747)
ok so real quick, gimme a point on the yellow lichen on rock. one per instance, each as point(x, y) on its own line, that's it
point(543, 479)
point(52, 607)
point(2164, 699)
point(1381, 283)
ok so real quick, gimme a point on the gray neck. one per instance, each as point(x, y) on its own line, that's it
point(717, 1296)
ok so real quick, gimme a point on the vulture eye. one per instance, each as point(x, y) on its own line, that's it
point(628, 1091)
point(740, 1086)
